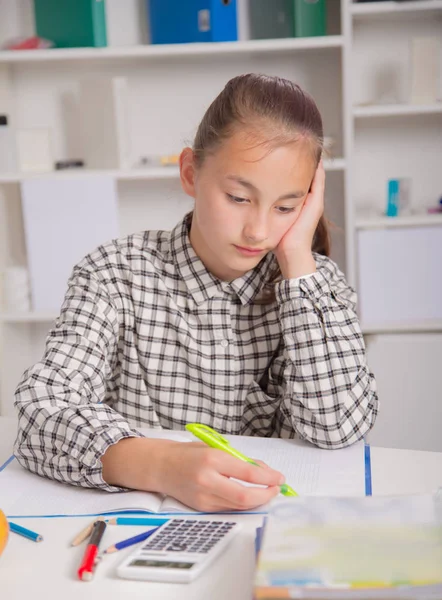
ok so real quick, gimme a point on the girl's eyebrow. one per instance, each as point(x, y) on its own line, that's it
point(250, 186)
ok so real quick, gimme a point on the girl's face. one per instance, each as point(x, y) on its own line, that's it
point(246, 199)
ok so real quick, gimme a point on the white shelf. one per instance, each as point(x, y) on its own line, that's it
point(171, 50)
point(391, 110)
point(418, 220)
point(410, 327)
point(149, 173)
point(376, 9)
point(335, 164)
point(30, 317)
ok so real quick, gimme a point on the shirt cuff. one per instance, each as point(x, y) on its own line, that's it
point(91, 461)
point(312, 286)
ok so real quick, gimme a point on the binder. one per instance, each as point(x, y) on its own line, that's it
point(104, 123)
point(177, 22)
point(310, 18)
point(271, 19)
point(71, 23)
point(64, 219)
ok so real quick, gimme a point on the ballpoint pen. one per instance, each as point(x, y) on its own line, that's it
point(215, 440)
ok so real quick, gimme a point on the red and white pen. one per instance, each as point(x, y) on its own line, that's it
point(86, 570)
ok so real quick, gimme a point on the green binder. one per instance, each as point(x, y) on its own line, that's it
point(287, 18)
point(310, 18)
point(270, 19)
point(71, 23)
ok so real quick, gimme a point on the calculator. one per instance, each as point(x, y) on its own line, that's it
point(178, 551)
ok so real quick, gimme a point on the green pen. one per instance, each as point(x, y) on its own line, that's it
point(215, 440)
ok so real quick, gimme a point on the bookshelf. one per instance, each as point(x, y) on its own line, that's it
point(171, 86)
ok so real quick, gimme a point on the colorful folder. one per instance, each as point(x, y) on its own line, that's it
point(71, 23)
point(177, 22)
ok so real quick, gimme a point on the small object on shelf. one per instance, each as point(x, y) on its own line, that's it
point(8, 154)
point(177, 22)
point(34, 150)
point(69, 164)
point(435, 209)
point(425, 53)
point(169, 160)
point(71, 23)
point(398, 197)
point(163, 160)
point(27, 43)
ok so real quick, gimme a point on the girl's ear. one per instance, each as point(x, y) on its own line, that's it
point(187, 172)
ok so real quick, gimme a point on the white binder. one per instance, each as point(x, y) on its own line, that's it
point(103, 114)
point(64, 220)
point(400, 275)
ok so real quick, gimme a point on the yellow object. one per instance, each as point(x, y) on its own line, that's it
point(171, 159)
point(4, 531)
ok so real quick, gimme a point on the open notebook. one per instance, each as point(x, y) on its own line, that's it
point(309, 470)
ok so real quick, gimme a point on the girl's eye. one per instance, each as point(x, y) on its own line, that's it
point(286, 209)
point(236, 199)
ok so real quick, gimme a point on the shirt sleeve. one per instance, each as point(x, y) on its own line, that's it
point(64, 426)
point(327, 393)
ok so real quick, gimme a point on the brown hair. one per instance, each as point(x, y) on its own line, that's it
point(272, 108)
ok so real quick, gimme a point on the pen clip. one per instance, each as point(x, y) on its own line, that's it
point(207, 435)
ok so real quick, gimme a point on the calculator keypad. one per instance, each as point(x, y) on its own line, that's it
point(188, 535)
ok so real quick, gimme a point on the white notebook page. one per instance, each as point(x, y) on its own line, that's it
point(309, 470)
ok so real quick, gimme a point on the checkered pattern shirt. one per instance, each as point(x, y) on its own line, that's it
point(148, 337)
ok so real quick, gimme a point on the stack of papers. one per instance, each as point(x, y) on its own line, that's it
point(373, 547)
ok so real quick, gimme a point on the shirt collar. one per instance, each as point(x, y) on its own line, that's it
point(202, 285)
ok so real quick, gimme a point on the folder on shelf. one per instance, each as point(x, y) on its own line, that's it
point(64, 219)
point(177, 22)
point(271, 20)
point(310, 18)
point(71, 23)
point(287, 18)
point(104, 123)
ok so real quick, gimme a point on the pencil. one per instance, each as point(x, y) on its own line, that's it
point(27, 533)
point(145, 521)
point(85, 533)
point(130, 541)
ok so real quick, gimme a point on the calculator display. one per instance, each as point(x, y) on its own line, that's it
point(162, 564)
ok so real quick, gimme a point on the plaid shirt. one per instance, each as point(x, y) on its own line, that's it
point(148, 337)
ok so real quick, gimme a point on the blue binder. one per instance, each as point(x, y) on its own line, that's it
point(178, 22)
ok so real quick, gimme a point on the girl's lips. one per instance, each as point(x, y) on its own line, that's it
point(249, 251)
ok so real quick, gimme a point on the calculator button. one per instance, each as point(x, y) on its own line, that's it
point(177, 547)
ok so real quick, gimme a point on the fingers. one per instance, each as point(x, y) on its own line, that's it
point(229, 466)
point(261, 463)
point(318, 183)
point(234, 495)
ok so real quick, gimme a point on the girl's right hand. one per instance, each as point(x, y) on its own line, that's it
point(191, 472)
point(199, 477)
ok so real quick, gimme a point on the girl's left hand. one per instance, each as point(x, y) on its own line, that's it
point(294, 251)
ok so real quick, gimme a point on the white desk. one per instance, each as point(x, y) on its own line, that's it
point(50, 567)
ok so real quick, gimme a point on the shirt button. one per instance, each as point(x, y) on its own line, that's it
point(224, 343)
